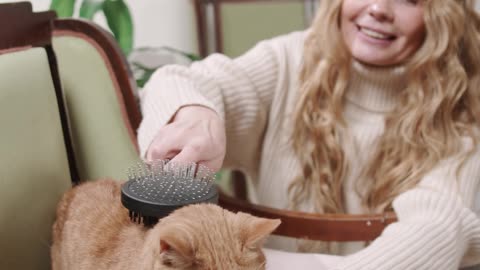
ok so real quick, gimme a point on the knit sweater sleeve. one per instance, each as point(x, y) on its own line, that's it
point(436, 228)
point(240, 90)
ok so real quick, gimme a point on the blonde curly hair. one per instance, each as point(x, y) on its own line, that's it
point(440, 105)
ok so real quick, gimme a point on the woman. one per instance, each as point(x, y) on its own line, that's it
point(375, 108)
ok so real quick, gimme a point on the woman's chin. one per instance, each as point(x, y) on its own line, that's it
point(375, 60)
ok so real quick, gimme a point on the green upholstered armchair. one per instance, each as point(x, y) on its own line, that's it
point(67, 113)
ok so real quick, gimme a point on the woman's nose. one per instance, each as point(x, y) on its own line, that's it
point(381, 10)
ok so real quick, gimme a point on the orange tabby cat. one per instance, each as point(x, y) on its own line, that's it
point(93, 231)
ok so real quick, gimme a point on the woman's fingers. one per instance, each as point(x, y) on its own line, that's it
point(166, 145)
point(197, 135)
point(161, 155)
point(187, 155)
point(195, 154)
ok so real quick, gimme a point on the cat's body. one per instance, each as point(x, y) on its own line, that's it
point(93, 231)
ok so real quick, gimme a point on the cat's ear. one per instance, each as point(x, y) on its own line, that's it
point(176, 242)
point(176, 250)
point(256, 230)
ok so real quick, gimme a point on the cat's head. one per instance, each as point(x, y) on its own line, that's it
point(207, 237)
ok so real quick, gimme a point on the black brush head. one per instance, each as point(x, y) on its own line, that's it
point(155, 190)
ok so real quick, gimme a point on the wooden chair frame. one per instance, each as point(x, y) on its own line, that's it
point(324, 227)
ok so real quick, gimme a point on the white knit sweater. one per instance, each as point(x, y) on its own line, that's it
point(255, 95)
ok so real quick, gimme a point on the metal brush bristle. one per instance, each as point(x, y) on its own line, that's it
point(167, 186)
point(169, 182)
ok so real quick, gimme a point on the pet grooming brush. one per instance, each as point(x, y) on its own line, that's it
point(155, 190)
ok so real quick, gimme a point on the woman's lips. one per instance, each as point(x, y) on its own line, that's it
point(375, 36)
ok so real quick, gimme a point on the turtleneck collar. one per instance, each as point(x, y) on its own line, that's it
point(375, 89)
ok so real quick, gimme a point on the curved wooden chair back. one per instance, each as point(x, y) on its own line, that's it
point(323, 227)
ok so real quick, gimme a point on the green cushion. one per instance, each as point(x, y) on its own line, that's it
point(34, 168)
point(103, 147)
point(244, 24)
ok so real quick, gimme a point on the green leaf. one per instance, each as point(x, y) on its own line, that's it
point(119, 20)
point(146, 73)
point(63, 8)
point(89, 8)
point(144, 78)
point(191, 56)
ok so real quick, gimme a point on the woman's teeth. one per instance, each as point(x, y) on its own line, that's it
point(375, 34)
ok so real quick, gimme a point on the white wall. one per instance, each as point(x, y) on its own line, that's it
point(157, 22)
point(164, 22)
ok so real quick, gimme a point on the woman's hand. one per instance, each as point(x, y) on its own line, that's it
point(195, 134)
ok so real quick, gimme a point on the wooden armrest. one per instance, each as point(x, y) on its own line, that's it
point(324, 227)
